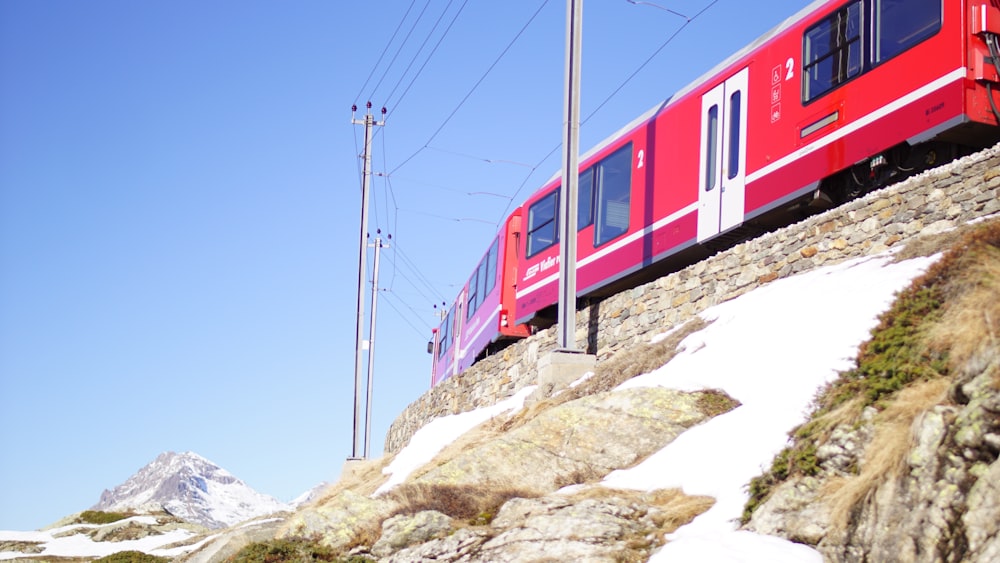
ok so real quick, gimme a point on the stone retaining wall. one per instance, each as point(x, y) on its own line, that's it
point(931, 202)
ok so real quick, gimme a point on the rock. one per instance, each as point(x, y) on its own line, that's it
point(982, 519)
point(459, 546)
point(339, 521)
point(594, 530)
point(944, 505)
point(229, 542)
point(578, 441)
point(403, 531)
point(794, 511)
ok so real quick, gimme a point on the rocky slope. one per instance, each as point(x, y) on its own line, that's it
point(901, 466)
point(506, 479)
point(907, 474)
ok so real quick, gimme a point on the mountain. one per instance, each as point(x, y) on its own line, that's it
point(192, 488)
point(309, 496)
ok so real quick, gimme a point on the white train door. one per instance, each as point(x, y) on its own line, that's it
point(458, 327)
point(722, 171)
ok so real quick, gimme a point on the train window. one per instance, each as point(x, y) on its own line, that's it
point(542, 231)
point(481, 292)
point(832, 51)
point(901, 24)
point(470, 302)
point(734, 134)
point(445, 342)
point(491, 267)
point(711, 147)
point(614, 189)
point(483, 280)
point(585, 199)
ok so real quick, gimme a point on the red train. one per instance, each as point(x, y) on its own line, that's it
point(839, 99)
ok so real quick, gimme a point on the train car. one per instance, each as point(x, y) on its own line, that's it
point(482, 315)
point(841, 98)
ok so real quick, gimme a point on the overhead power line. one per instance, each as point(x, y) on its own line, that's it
point(607, 99)
point(386, 50)
point(424, 44)
point(641, 3)
point(474, 87)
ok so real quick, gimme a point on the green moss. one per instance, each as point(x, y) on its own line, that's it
point(100, 517)
point(131, 557)
point(295, 550)
point(799, 459)
point(896, 354)
point(714, 402)
point(482, 519)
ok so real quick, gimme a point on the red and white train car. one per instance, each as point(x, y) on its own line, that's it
point(839, 99)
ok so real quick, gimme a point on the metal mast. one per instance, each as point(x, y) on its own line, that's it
point(570, 179)
point(368, 122)
point(371, 346)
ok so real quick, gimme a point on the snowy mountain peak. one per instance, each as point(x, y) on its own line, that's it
point(191, 488)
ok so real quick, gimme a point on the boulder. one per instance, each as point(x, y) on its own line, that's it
point(403, 531)
point(579, 441)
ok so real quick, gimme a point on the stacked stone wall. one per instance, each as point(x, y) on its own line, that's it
point(931, 202)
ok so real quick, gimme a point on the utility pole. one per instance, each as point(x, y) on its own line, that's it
point(371, 344)
point(567, 363)
point(570, 178)
point(368, 122)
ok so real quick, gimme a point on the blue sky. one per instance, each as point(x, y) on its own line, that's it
point(180, 208)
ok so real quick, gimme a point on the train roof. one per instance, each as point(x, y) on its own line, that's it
point(655, 110)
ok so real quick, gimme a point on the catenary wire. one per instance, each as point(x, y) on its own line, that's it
point(384, 51)
point(534, 168)
point(605, 102)
point(473, 89)
point(424, 44)
point(400, 49)
point(422, 334)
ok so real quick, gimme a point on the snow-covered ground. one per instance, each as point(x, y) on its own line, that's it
point(62, 542)
point(438, 433)
point(771, 349)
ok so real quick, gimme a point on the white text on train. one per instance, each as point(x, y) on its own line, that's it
point(541, 267)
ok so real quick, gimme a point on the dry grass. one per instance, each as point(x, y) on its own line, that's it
point(847, 413)
point(971, 320)
point(967, 279)
point(363, 478)
point(676, 508)
point(671, 510)
point(886, 455)
point(945, 318)
point(929, 245)
point(364, 536)
point(475, 503)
